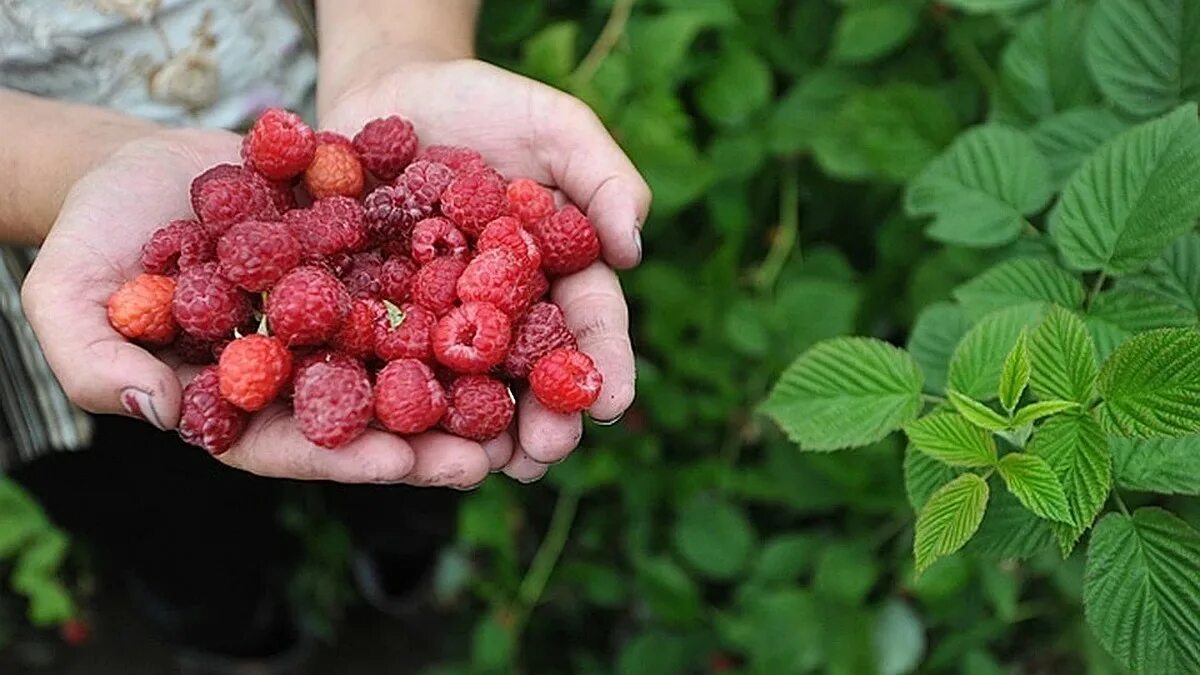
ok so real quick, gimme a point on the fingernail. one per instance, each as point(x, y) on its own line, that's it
point(139, 403)
point(609, 423)
point(637, 240)
point(534, 479)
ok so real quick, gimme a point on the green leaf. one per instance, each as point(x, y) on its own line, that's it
point(949, 518)
point(950, 438)
point(714, 537)
point(1075, 448)
point(1163, 465)
point(1132, 197)
point(738, 86)
point(1151, 385)
point(550, 55)
point(659, 45)
point(923, 475)
point(1116, 315)
point(845, 392)
point(1175, 275)
point(1064, 360)
point(1019, 281)
point(899, 638)
point(979, 358)
point(806, 109)
point(867, 31)
point(783, 632)
point(1036, 411)
point(668, 591)
point(1067, 138)
point(1010, 531)
point(1142, 593)
point(1145, 54)
point(932, 340)
point(1014, 375)
point(845, 572)
point(977, 413)
point(980, 190)
point(655, 653)
point(1033, 482)
point(784, 558)
point(990, 6)
point(1043, 71)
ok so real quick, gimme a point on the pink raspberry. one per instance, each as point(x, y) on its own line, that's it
point(566, 381)
point(542, 330)
point(433, 287)
point(205, 419)
point(494, 277)
point(332, 404)
point(255, 254)
point(529, 201)
point(475, 199)
point(279, 145)
point(363, 276)
point(458, 158)
point(472, 338)
point(356, 337)
point(386, 146)
point(178, 245)
point(478, 407)
point(403, 332)
point(396, 279)
point(228, 194)
point(408, 398)
point(300, 365)
point(307, 306)
point(567, 240)
point(438, 238)
point(207, 305)
point(332, 225)
point(506, 232)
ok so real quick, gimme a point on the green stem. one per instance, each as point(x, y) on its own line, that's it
point(785, 241)
point(603, 46)
point(933, 398)
point(1120, 503)
point(545, 559)
point(1096, 286)
point(972, 58)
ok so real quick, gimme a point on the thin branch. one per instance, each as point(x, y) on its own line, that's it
point(603, 46)
point(529, 594)
point(1096, 286)
point(786, 238)
point(1120, 502)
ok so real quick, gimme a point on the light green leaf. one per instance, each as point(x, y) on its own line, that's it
point(1066, 139)
point(1151, 385)
point(659, 45)
point(867, 31)
point(1075, 448)
point(1132, 197)
point(923, 475)
point(714, 537)
point(1019, 281)
point(977, 413)
point(932, 340)
point(550, 55)
point(1010, 531)
point(980, 190)
point(1163, 465)
point(1116, 315)
point(846, 392)
point(899, 639)
point(738, 86)
point(1145, 54)
point(950, 438)
point(977, 361)
point(1064, 360)
point(1014, 375)
point(1033, 482)
point(1036, 411)
point(1043, 71)
point(1142, 593)
point(806, 109)
point(949, 518)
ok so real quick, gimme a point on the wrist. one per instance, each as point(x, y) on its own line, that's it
point(369, 66)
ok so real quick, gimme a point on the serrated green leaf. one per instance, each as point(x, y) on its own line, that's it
point(923, 475)
point(1164, 465)
point(977, 413)
point(714, 537)
point(1116, 315)
point(977, 361)
point(980, 190)
point(1014, 375)
point(846, 392)
point(1142, 593)
point(1151, 385)
point(1034, 483)
point(1075, 448)
point(934, 335)
point(1042, 70)
point(1066, 139)
point(950, 438)
point(949, 518)
point(1010, 531)
point(1132, 197)
point(1016, 282)
point(1175, 275)
point(868, 31)
point(1063, 358)
point(1144, 53)
point(1036, 411)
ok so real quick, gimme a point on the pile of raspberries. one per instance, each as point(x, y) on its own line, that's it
point(422, 304)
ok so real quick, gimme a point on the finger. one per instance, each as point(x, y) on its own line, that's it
point(544, 435)
point(449, 461)
point(498, 450)
point(595, 311)
point(523, 468)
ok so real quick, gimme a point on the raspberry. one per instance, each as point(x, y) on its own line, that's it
point(475, 199)
point(280, 190)
point(300, 365)
point(403, 332)
point(255, 254)
point(386, 146)
point(141, 309)
point(393, 209)
point(356, 337)
point(193, 350)
point(542, 330)
point(332, 404)
point(458, 158)
point(385, 214)
point(205, 419)
point(363, 275)
point(472, 338)
point(178, 245)
point(529, 201)
point(408, 398)
point(279, 145)
point(252, 370)
point(567, 240)
point(566, 380)
point(228, 194)
point(438, 238)
point(332, 225)
point(492, 276)
point(532, 288)
point(478, 407)
point(208, 305)
point(307, 306)
point(396, 279)
point(334, 138)
point(335, 170)
point(433, 286)
point(506, 232)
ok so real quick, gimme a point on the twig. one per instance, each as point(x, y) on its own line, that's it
point(534, 584)
point(1120, 503)
point(1096, 286)
point(603, 46)
point(785, 242)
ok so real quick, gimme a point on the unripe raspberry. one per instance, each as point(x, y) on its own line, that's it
point(141, 309)
point(335, 170)
point(252, 370)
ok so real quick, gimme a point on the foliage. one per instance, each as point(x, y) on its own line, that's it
point(35, 551)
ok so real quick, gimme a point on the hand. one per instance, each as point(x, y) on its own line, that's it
point(527, 129)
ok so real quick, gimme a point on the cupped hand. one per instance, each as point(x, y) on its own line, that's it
point(527, 129)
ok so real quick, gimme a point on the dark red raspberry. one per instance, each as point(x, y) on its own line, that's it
point(542, 330)
point(332, 404)
point(385, 214)
point(567, 240)
point(458, 158)
point(475, 199)
point(336, 263)
point(279, 145)
point(396, 279)
point(472, 338)
point(403, 332)
point(335, 170)
point(300, 366)
point(252, 370)
point(228, 194)
point(356, 337)
point(566, 380)
point(363, 276)
point(141, 309)
point(208, 305)
point(255, 254)
point(408, 398)
point(386, 146)
point(205, 419)
point(421, 186)
point(494, 277)
point(307, 306)
point(178, 245)
point(478, 407)
point(281, 191)
point(506, 232)
point(529, 201)
point(438, 238)
point(333, 138)
point(193, 350)
point(433, 286)
point(332, 225)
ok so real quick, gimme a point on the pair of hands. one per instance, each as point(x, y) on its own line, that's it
point(523, 127)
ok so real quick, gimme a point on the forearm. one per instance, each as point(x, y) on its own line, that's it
point(360, 39)
point(46, 146)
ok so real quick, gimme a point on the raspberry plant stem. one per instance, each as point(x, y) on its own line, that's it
point(603, 46)
point(545, 559)
point(1116, 496)
point(785, 240)
point(1096, 286)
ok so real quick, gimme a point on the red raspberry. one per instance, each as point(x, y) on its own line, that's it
point(542, 330)
point(421, 187)
point(193, 350)
point(478, 407)
point(356, 337)
point(566, 380)
point(438, 238)
point(307, 306)
point(475, 199)
point(252, 370)
point(472, 338)
point(280, 190)
point(567, 240)
point(300, 365)
point(363, 275)
point(208, 305)
point(408, 398)
point(180, 244)
point(533, 287)
point(228, 194)
point(280, 145)
point(403, 332)
point(506, 232)
point(385, 214)
point(205, 419)
point(529, 201)
point(396, 278)
point(327, 137)
point(255, 254)
point(458, 158)
point(332, 404)
point(386, 146)
point(433, 286)
point(141, 309)
point(332, 225)
point(335, 170)
point(492, 276)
